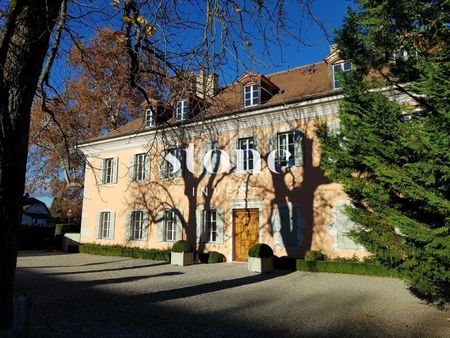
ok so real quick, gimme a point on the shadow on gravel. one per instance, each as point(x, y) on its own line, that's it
point(65, 307)
point(134, 267)
point(195, 290)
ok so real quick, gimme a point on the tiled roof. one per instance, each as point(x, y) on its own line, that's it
point(294, 84)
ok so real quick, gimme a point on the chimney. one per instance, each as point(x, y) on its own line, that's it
point(207, 85)
point(333, 48)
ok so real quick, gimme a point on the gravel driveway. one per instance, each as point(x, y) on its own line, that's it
point(79, 295)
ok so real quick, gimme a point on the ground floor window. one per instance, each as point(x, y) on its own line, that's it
point(105, 223)
point(137, 225)
point(170, 225)
point(210, 225)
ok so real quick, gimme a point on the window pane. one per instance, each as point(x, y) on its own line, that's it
point(170, 226)
point(139, 167)
point(104, 224)
point(286, 144)
point(107, 170)
point(137, 224)
point(149, 121)
point(347, 66)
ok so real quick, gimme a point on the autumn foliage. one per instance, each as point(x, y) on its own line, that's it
point(96, 98)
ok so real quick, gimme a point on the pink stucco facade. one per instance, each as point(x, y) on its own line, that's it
point(299, 209)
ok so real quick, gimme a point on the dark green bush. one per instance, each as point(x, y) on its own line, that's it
point(345, 267)
point(313, 255)
point(182, 246)
point(260, 250)
point(215, 257)
point(353, 259)
point(116, 250)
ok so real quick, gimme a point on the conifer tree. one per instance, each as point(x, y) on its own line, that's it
point(392, 158)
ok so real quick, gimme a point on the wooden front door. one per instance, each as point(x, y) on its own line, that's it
point(246, 231)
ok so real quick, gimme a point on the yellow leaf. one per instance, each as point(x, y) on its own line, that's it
point(126, 19)
point(142, 20)
point(150, 30)
point(238, 10)
point(120, 37)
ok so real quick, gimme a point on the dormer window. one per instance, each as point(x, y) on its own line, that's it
point(182, 110)
point(251, 95)
point(340, 67)
point(149, 118)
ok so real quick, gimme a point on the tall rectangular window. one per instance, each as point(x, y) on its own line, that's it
point(286, 144)
point(170, 225)
point(108, 170)
point(167, 167)
point(340, 67)
point(251, 95)
point(105, 222)
point(182, 110)
point(137, 225)
point(149, 118)
point(139, 167)
point(210, 225)
point(247, 144)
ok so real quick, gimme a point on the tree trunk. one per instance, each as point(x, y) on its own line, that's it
point(24, 41)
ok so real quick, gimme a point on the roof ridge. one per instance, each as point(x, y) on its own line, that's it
point(295, 68)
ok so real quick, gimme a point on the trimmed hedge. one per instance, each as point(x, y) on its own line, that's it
point(116, 250)
point(182, 246)
point(345, 267)
point(314, 255)
point(215, 257)
point(260, 250)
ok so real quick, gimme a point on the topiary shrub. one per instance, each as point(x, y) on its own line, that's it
point(182, 246)
point(215, 257)
point(313, 255)
point(260, 250)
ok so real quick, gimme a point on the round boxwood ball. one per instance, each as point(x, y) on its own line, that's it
point(260, 250)
point(182, 246)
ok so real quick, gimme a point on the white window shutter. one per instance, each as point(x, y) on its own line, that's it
point(145, 225)
point(97, 225)
point(162, 173)
point(101, 172)
point(275, 224)
point(220, 223)
point(115, 169)
point(343, 226)
point(299, 144)
point(179, 224)
point(199, 232)
point(206, 146)
point(298, 224)
point(147, 167)
point(131, 171)
point(160, 224)
point(128, 226)
point(182, 159)
point(232, 148)
point(258, 148)
point(112, 222)
point(271, 143)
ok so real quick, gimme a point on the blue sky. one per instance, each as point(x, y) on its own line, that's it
point(292, 54)
point(331, 14)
